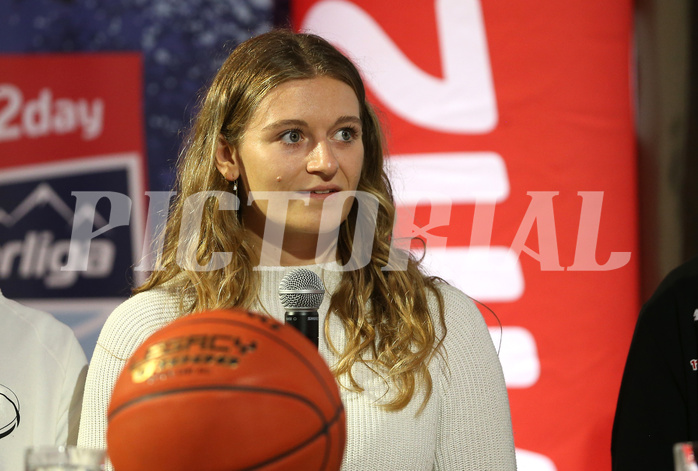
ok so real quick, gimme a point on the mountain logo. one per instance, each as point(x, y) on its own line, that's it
point(37, 217)
point(43, 195)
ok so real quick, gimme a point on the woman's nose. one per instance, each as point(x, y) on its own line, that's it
point(322, 160)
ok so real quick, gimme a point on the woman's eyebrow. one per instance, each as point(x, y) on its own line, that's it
point(299, 123)
point(348, 119)
point(284, 123)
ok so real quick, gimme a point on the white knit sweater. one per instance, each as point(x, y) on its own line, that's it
point(466, 424)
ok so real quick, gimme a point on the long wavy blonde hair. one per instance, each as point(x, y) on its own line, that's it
point(384, 313)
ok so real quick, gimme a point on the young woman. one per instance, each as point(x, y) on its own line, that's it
point(287, 114)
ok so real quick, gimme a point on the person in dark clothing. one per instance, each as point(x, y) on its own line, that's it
point(658, 400)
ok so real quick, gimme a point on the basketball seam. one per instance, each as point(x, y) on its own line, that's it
point(326, 424)
point(213, 387)
point(323, 431)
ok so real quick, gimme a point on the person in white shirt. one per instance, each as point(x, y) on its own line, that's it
point(42, 376)
point(287, 116)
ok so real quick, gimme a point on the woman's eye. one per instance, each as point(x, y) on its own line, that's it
point(345, 135)
point(291, 137)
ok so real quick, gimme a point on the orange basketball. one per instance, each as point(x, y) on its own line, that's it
point(226, 390)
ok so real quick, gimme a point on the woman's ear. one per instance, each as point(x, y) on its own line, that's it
point(227, 159)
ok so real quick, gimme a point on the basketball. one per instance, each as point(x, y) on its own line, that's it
point(226, 390)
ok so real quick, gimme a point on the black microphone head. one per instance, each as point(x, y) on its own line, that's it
point(301, 290)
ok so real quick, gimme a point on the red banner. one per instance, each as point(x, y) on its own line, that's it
point(512, 149)
point(71, 131)
point(57, 106)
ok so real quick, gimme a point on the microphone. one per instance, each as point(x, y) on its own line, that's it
point(301, 293)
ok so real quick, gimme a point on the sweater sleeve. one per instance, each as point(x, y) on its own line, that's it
point(475, 431)
point(126, 328)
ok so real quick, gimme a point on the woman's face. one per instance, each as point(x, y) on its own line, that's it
point(304, 139)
